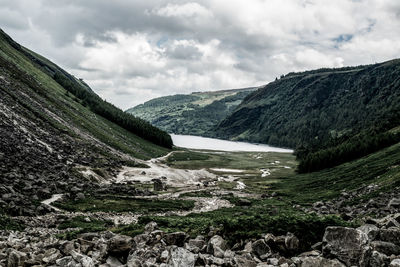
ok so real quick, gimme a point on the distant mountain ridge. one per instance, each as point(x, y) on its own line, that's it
point(195, 114)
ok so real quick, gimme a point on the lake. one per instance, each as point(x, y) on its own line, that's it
point(198, 142)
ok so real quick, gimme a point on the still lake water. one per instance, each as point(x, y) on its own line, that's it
point(198, 142)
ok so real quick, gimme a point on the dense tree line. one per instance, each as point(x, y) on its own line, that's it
point(127, 121)
point(351, 149)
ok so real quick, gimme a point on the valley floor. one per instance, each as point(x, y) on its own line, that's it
point(205, 203)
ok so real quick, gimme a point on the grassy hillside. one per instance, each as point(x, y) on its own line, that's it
point(194, 114)
point(38, 74)
point(49, 135)
point(315, 107)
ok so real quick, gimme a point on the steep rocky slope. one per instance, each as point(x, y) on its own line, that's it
point(194, 114)
point(50, 140)
point(313, 107)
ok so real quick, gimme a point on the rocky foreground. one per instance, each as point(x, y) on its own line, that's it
point(374, 244)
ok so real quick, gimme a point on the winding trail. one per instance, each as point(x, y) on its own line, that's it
point(53, 198)
point(185, 181)
point(159, 170)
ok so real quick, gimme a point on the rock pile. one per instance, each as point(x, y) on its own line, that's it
point(369, 245)
point(352, 204)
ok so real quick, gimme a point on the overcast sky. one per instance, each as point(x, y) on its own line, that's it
point(130, 51)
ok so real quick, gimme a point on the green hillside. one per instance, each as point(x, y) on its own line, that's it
point(313, 108)
point(194, 114)
point(54, 126)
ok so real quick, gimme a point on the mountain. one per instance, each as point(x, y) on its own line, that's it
point(315, 108)
point(194, 114)
point(55, 131)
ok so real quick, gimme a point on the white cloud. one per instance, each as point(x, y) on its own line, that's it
point(131, 51)
point(190, 9)
point(312, 58)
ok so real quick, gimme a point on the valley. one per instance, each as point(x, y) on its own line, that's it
point(85, 184)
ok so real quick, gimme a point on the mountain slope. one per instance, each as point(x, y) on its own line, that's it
point(315, 107)
point(51, 139)
point(194, 114)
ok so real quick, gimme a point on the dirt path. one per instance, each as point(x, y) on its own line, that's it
point(185, 181)
point(159, 170)
point(53, 198)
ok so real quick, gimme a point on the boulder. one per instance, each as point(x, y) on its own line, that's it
point(216, 246)
point(242, 261)
point(370, 230)
point(159, 185)
point(164, 256)
point(177, 239)
point(84, 260)
point(85, 245)
point(395, 263)
point(319, 262)
point(291, 243)
point(66, 261)
point(391, 235)
point(66, 247)
point(260, 248)
point(394, 203)
point(113, 262)
point(181, 257)
point(385, 247)
point(120, 245)
point(346, 244)
point(134, 261)
point(378, 259)
point(141, 240)
point(16, 258)
point(150, 227)
point(199, 243)
point(51, 255)
point(195, 245)
point(312, 253)
point(279, 244)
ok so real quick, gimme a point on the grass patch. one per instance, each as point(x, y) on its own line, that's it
point(130, 230)
point(6, 223)
point(379, 168)
point(233, 160)
point(124, 204)
point(187, 156)
point(82, 222)
point(83, 225)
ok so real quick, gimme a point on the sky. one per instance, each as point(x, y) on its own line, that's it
point(131, 51)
